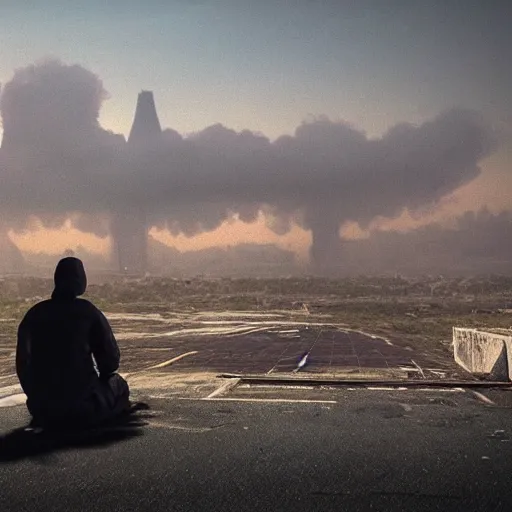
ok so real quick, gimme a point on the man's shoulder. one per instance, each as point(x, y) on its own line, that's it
point(86, 305)
point(46, 306)
point(89, 307)
point(37, 310)
point(39, 306)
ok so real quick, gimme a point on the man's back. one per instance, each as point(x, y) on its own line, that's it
point(59, 338)
point(67, 355)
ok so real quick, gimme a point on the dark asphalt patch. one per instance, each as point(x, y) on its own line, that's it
point(329, 351)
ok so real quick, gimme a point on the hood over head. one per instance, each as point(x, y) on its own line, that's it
point(70, 279)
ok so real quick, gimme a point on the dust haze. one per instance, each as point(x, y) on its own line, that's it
point(56, 160)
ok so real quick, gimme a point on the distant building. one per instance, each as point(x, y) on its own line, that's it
point(146, 126)
point(129, 228)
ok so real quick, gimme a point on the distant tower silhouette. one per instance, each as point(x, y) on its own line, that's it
point(146, 126)
point(129, 228)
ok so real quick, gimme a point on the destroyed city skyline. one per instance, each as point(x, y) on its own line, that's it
point(316, 128)
point(58, 161)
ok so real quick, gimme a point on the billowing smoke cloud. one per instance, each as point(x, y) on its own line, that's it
point(51, 106)
point(55, 156)
point(478, 243)
point(56, 159)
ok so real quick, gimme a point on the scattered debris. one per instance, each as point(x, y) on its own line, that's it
point(227, 386)
point(482, 397)
point(302, 362)
point(13, 400)
point(498, 434)
point(163, 364)
point(437, 373)
point(418, 367)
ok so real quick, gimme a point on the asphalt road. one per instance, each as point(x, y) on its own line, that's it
point(349, 450)
point(330, 351)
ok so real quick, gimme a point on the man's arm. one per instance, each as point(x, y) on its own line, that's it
point(23, 352)
point(104, 346)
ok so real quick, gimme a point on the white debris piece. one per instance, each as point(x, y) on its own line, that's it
point(13, 400)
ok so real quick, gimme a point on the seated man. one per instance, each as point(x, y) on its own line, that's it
point(67, 356)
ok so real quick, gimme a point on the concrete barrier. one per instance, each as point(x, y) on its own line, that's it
point(483, 353)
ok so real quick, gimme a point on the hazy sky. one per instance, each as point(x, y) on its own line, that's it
point(269, 65)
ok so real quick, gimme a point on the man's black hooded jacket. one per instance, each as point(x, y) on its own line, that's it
point(57, 340)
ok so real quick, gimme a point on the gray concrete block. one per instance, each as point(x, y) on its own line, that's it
point(483, 353)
